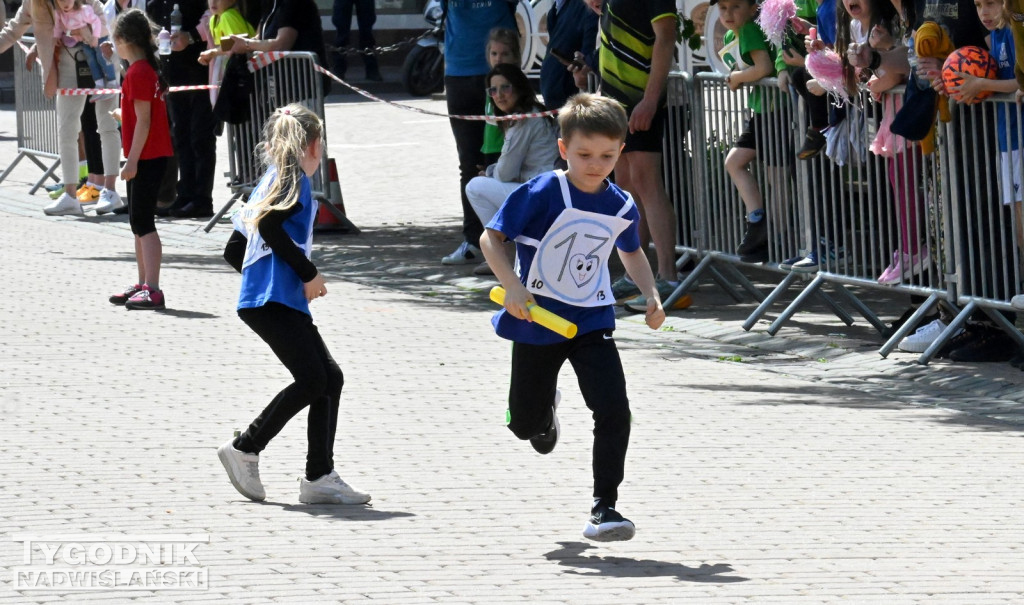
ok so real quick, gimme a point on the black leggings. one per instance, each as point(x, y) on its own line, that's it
point(91, 135)
point(318, 381)
point(599, 372)
point(142, 193)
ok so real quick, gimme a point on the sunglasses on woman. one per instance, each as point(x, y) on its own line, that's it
point(494, 90)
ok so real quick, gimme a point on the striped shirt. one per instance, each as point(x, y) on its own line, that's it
point(627, 43)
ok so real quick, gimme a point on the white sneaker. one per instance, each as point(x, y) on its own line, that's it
point(243, 470)
point(109, 201)
point(65, 205)
point(330, 489)
point(1017, 301)
point(465, 254)
point(919, 341)
point(607, 525)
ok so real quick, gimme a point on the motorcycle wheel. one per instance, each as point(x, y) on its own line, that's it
point(423, 71)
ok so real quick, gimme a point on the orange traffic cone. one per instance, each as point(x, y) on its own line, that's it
point(331, 215)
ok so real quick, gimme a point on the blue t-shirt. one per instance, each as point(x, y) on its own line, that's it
point(1006, 113)
point(270, 279)
point(530, 211)
point(466, 30)
point(826, 22)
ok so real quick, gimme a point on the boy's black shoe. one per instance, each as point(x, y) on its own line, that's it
point(545, 442)
point(754, 238)
point(814, 142)
point(993, 344)
point(759, 255)
point(607, 525)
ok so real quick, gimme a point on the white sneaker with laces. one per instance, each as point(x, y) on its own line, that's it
point(109, 201)
point(243, 470)
point(919, 341)
point(65, 205)
point(330, 489)
point(465, 254)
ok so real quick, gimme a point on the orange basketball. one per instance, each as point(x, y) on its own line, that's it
point(972, 60)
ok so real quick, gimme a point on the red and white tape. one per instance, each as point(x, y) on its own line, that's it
point(261, 60)
point(72, 92)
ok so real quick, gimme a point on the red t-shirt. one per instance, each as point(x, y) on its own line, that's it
point(141, 83)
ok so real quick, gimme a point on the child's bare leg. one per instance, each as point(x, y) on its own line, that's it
point(140, 261)
point(151, 255)
point(737, 165)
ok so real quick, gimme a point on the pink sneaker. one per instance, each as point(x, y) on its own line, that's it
point(905, 266)
point(122, 297)
point(919, 263)
point(146, 300)
point(892, 273)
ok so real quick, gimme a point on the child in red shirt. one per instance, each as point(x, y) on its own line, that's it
point(146, 139)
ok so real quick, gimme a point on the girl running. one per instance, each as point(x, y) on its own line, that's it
point(271, 247)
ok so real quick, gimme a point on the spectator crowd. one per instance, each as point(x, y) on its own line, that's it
point(892, 49)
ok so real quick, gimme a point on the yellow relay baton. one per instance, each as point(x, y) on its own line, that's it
point(540, 315)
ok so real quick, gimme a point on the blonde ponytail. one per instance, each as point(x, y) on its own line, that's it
point(287, 135)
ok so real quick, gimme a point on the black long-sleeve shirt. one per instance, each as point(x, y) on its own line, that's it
point(271, 229)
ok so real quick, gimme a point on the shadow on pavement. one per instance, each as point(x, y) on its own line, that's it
point(182, 313)
point(571, 555)
point(342, 512)
point(850, 394)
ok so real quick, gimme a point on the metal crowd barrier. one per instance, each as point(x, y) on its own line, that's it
point(36, 118)
point(984, 238)
point(868, 210)
point(292, 78)
point(858, 208)
point(721, 117)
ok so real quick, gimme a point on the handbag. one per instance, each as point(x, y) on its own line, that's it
point(83, 73)
point(915, 118)
point(234, 103)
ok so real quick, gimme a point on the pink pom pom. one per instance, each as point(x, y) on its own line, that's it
point(774, 18)
point(826, 67)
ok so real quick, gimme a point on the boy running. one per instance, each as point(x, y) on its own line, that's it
point(565, 225)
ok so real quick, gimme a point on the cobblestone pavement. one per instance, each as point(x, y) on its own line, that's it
point(800, 468)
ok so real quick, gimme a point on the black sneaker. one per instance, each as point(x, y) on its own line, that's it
point(968, 335)
point(992, 345)
point(755, 238)
point(607, 525)
point(757, 255)
point(814, 142)
point(545, 442)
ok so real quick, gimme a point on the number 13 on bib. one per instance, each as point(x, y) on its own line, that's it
point(571, 264)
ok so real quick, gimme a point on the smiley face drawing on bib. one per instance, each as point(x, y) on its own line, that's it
point(583, 268)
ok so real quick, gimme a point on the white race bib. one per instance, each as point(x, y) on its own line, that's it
point(571, 264)
point(730, 55)
point(255, 247)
